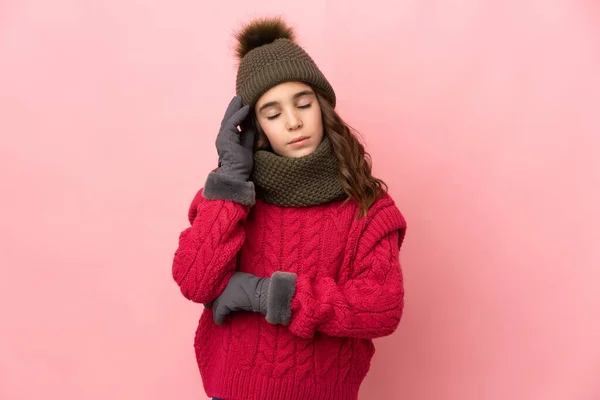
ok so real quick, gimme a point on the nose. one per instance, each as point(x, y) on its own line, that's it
point(293, 122)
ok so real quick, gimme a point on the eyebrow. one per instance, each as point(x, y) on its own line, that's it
point(274, 103)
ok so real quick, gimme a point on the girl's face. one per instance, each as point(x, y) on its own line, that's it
point(290, 116)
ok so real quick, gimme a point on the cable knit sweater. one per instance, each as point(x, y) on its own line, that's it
point(349, 290)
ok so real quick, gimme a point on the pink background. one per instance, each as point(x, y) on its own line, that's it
point(482, 116)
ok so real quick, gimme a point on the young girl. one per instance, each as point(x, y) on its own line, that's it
point(293, 245)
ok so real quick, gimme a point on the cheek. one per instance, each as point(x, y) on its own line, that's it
point(271, 130)
point(316, 120)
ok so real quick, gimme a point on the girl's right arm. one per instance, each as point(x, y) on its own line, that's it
point(207, 253)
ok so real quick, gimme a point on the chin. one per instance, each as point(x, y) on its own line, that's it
point(302, 152)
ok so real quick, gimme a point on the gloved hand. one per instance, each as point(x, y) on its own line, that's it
point(244, 292)
point(236, 157)
point(235, 148)
point(271, 297)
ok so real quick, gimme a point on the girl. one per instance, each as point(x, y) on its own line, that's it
point(293, 245)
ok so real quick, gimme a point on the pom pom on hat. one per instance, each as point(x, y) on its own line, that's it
point(260, 32)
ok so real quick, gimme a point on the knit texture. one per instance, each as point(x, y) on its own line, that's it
point(349, 290)
point(279, 61)
point(298, 182)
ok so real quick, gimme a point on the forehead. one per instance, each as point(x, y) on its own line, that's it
point(282, 91)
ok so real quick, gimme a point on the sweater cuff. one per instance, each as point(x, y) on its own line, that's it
point(282, 287)
point(223, 187)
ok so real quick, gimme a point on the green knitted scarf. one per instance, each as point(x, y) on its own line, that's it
point(298, 182)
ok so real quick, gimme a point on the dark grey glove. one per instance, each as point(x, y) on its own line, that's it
point(271, 297)
point(235, 150)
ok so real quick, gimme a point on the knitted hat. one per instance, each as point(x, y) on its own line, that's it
point(269, 56)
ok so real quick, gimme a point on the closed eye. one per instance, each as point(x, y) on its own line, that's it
point(272, 117)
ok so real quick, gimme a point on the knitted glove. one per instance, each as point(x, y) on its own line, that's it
point(235, 150)
point(271, 297)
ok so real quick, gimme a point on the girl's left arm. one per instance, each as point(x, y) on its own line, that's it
point(368, 304)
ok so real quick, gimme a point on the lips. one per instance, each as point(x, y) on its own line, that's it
point(298, 139)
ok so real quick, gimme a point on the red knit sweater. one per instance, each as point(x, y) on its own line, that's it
point(349, 290)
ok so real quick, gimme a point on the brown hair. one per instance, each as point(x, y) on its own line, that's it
point(354, 162)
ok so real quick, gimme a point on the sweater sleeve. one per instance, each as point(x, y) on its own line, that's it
point(207, 253)
point(369, 303)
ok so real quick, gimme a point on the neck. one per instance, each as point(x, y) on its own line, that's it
point(298, 182)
